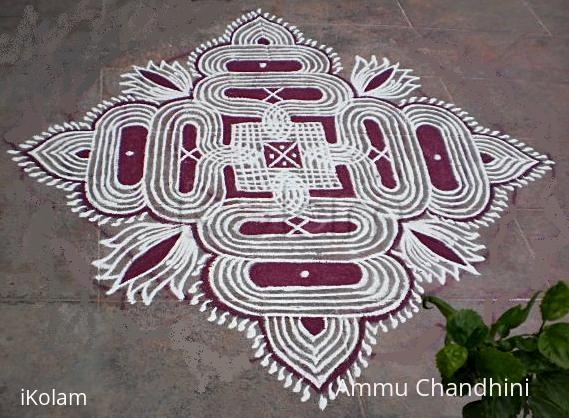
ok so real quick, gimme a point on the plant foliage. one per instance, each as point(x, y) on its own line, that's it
point(474, 351)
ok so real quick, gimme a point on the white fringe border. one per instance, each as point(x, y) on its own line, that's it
point(297, 385)
point(36, 172)
point(248, 17)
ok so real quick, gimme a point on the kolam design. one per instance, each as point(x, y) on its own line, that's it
point(306, 210)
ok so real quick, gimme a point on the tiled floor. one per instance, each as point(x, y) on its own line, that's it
point(504, 61)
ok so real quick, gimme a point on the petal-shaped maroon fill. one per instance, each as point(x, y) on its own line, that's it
point(379, 79)
point(158, 79)
point(150, 258)
point(486, 158)
point(84, 153)
point(439, 248)
point(313, 325)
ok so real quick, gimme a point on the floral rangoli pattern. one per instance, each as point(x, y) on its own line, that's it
point(291, 204)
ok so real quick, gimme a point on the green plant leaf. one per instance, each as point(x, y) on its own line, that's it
point(466, 374)
point(534, 362)
point(451, 358)
point(555, 303)
point(553, 343)
point(512, 318)
point(518, 342)
point(443, 307)
point(467, 328)
point(476, 409)
point(548, 395)
point(496, 407)
point(498, 365)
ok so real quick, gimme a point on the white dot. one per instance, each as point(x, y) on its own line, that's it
point(129, 153)
point(304, 274)
point(263, 64)
point(437, 157)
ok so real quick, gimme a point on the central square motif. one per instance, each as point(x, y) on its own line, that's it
point(262, 155)
point(282, 155)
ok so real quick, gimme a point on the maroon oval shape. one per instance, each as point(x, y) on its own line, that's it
point(435, 153)
point(189, 162)
point(258, 66)
point(383, 165)
point(245, 93)
point(131, 154)
point(288, 93)
point(272, 274)
point(300, 93)
point(282, 228)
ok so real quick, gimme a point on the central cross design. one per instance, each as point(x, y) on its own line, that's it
point(282, 155)
point(276, 153)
